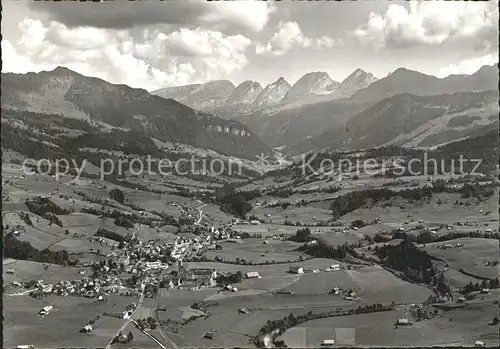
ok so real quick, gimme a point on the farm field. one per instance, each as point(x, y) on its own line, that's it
point(258, 250)
point(232, 328)
point(22, 325)
point(305, 215)
point(452, 328)
point(148, 265)
point(27, 271)
point(471, 257)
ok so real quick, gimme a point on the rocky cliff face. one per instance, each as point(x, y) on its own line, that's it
point(358, 80)
point(244, 94)
point(272, 94)
point(311, 84)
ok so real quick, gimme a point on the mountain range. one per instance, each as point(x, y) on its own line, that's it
point(73, 95)
point(406, 108)
point(221, 96)
point(403, 80)
point(411, 121)
point(291, 116)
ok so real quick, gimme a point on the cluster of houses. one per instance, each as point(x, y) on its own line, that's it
point(296, 269)
point(252, 222)
point(150, 251)
point(186, 278)
point(90, 288)
point(446, 246)
point(224, 232)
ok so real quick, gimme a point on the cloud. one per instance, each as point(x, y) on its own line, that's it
point(468, 66)
point(201, 42)
point(249, 15)
point(431, 23)
point(149, 58)
point(289, 35)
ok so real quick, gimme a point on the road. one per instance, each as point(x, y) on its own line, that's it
point(127, 321)
point(200, 214)
point(155, 307)
point(20, 293)
point(149, 335)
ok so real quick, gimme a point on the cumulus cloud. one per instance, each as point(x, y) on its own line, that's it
point(468, 66)
point(289, 35)
point(431, 23)
point(251, 15)
point(201, 42)
point(149, 58)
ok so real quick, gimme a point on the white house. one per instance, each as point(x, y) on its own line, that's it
point(45, 310)
point(403, 322)
point(296, 269)
point(87, 329)
point(252, 275)
point(328, 342)
point(335, 266)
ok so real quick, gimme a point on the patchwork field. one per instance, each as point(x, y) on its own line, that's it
point(258, 250)
point(235, 318)
point(61, 327)
point(459, 327)
point(471, 257)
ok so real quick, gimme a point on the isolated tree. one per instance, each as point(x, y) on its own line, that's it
point(117, 194)
point(302, 235)
point(239, 276)
point(495, 320)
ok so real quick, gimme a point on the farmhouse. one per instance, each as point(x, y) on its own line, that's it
point(208, 335)
point(230, 288)
point(328, 343)
point(335, 267)
point(295, 269)
point(485, 291)
point(45, 310)
point(255, 222)
point(252, 275)
point(403, 322)
point(86, 329)
point(244, 311)
point(312, 243)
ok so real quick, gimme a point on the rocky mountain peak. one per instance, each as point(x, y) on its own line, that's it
point(244, 93)
point(272, 94)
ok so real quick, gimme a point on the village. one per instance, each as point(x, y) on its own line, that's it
point(154, 269)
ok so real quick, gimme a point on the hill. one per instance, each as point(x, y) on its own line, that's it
point(408, 81)
point(409, 120)
point(65, 92)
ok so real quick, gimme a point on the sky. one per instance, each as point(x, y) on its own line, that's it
point(151, 45)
